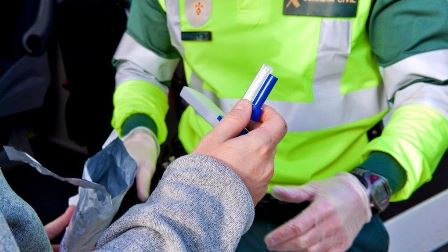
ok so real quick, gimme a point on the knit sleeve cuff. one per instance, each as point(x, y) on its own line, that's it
point(138, 120)
point(385, 165)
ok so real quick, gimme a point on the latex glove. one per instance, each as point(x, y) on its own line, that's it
point(338, 210)
point(141, 144)
point(250, 156)
point(57, 226)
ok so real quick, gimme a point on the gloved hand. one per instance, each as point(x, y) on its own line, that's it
point(338, 210)
point(141, 144)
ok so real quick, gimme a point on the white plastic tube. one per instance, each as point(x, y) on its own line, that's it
point(257, 82)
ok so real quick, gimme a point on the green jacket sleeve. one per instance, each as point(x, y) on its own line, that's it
point(410, 41)
point(145, 61)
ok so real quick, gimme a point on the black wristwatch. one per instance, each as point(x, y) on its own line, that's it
point(377, 187)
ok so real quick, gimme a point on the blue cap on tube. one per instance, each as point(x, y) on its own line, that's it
point(261, 97)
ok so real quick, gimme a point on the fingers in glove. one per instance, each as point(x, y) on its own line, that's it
point(297, 194)
point(143, 179)
point(296, 227)
point(322, 236)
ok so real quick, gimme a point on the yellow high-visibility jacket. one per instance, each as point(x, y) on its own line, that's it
point(343, 66)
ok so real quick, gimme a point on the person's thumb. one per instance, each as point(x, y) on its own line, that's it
point(234, 121)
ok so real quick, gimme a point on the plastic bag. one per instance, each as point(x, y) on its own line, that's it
point(107, 177)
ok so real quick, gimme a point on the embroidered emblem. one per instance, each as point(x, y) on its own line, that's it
point(294, 3)
point(198, 6)
point(198, 11)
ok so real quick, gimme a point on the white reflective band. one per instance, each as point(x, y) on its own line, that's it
point(435, 96)
point(127, 71)
point(195, 82)
point(432, 65)
point(130, 50)
point(173, 22)
point(333, 51)
point(326, 113)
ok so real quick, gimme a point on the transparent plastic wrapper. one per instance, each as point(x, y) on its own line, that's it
point(107, 177)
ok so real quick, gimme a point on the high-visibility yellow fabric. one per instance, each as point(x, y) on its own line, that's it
point(290, 45)
point(162, 4)
point(409, 137)
point(140, 97)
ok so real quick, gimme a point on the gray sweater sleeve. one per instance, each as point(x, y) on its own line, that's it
point(7, 241)
point(20, 227)
point(199, 205)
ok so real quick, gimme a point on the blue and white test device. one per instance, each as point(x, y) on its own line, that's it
point(259, 90)
point(257, 93)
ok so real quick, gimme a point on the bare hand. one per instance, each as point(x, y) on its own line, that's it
point(339, 208)
point(57, 226)
point(251, 156)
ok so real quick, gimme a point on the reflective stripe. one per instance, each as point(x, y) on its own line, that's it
point(173, 22)
point(433, 65)
point(195, 82)
point(435, 96)
point(324, 114)
point(130, 50)
point(127, 71)
point(330, 107)
point(331, 58)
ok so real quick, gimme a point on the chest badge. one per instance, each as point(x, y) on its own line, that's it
point(198, 11)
